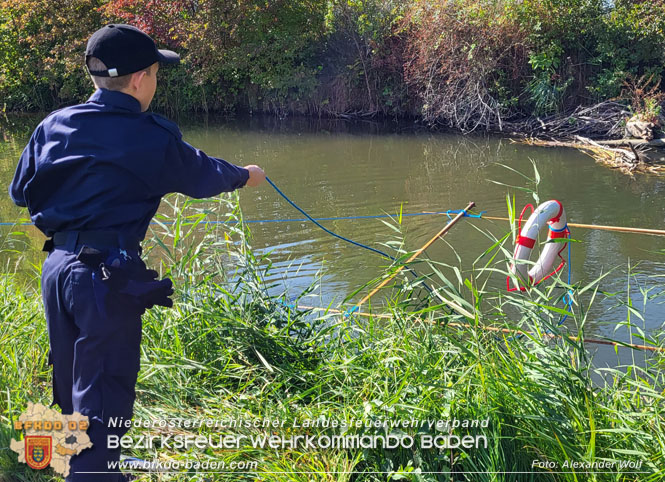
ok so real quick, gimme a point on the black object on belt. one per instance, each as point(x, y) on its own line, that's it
point(97, 239)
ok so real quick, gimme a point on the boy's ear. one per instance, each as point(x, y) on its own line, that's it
point(137, 78)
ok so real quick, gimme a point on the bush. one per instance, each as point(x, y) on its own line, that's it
point(631, 44)
point(253, 53)
point(41, 64)
point(362, 66)
point(465, 62)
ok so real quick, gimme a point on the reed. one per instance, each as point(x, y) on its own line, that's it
point(236, 347)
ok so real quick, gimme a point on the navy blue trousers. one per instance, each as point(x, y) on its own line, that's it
point(94, 339)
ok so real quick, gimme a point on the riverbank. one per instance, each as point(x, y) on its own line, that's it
point(511, 67)
point(465, 64)
point(229, 351)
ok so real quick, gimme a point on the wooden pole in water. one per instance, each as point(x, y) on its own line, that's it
point(595, 341)
point(438, 235)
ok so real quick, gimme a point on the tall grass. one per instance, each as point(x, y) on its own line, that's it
point(234, 347)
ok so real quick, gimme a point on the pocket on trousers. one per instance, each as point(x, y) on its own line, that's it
point(119, 385)
point(56, 398)
point(113, 306)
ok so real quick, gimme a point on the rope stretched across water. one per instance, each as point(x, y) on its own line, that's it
point(619, 229)
point(300, 220)
point(440, 234)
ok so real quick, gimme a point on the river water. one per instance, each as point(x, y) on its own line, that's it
point(346, 169)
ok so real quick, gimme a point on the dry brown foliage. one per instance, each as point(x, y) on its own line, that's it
point(454, 58)
point(645, 97)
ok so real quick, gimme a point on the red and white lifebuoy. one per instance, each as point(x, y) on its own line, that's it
point(548, 213)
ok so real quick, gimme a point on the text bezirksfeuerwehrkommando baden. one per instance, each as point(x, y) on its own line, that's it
point(296, 442)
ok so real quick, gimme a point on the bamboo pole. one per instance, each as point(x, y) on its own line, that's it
point(438, 235)
point(496, 329)
point(619, 229)
point(599, 227)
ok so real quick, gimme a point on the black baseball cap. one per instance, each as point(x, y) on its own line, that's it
point(125, 49)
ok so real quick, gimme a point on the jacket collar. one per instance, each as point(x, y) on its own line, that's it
point(116, 99)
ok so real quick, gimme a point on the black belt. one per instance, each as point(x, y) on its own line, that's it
point(95, 239)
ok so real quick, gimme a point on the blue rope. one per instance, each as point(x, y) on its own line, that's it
point(316, 222)
point(302, 211)
point(568, 297)
point(360, 245)
point(292, 306)
point(457, 211)
point(296, 220)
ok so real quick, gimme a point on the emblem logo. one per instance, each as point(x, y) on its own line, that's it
point(50, 439)
point(38, 451)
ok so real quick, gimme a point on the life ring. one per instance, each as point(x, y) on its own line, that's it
point(548, 213)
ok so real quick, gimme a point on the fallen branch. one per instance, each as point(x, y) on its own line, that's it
point(628, 161)
point(601, 121)
point(633, 142)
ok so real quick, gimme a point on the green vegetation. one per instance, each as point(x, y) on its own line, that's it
point(233, 347)
point(461, 63)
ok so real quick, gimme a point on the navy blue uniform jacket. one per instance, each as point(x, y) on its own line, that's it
point(104, 165)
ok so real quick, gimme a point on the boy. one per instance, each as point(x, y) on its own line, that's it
point(92, 177)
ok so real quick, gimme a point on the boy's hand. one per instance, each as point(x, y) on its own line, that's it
point(256, 175)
